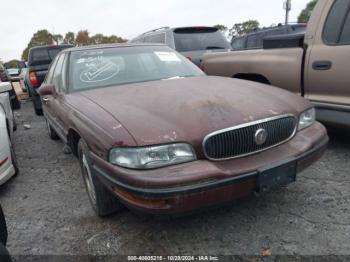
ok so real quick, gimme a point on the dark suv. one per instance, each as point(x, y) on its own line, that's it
point(5, 77)
point(192, 42)
point(255, 39)
point(39, 60)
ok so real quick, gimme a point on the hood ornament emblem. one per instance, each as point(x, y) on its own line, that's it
point(260, 136)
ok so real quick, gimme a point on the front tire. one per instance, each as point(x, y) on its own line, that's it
point(103, 202)
point(14, 159)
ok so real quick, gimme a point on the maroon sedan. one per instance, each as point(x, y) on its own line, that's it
point(154, 133)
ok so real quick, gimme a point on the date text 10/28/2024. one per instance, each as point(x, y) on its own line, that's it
point(173, 258)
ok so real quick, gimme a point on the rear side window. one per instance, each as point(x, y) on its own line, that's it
point(333, 29)
point(238, 43)
point(252, 41)
point(57, 75)
point(156, 38)
point(345, 36)
point(196, 39)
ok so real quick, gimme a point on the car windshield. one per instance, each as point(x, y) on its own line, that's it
point(90, 69)
point(12, 71)
point(195, 39)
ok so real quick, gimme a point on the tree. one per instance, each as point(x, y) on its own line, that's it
point(306, 13)
point(244, 28)
point(102, 39)
point(82, 38)
point(69, 38)
point(12, 64)
point(42, 37)
point(57, 38)
point(97, 39)
point(222, 28)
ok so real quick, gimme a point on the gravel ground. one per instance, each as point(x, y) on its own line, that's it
point(48, 211)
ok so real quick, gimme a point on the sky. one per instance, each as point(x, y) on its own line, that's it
point(20, 19)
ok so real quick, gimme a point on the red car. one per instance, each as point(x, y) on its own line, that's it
point(156, 134)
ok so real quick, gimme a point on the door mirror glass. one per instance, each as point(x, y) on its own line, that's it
point(5, 87)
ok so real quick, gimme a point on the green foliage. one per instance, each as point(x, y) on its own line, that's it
point(243, 28)
point(12, 64)
point(69, 38)
point(101, 39)
point(222, 28)
point(306, 13)
point(82, 38)
point(58, 39)
point(42, 37)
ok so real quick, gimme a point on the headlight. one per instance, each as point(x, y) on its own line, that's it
point(308, 118)
point(152, 157)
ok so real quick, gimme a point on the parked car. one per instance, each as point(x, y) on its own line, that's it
point(314, 66)
point(153, 132)
point(39, 60)
point(8, 163)
point(4, 77)
point(192, 42)
point(4, 254)
point(23, 79)
point(255, 39)
point(14, 74)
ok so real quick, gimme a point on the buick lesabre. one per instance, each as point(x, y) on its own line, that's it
point(152, 132)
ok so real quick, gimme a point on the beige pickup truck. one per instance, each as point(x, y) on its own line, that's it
point(315, 65)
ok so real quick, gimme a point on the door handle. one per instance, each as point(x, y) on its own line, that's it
point(322, 65)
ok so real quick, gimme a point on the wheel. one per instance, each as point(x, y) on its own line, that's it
point(103, 202)
point(37, 106)
point(4, 254)
point(52, 133)
point(14, 159)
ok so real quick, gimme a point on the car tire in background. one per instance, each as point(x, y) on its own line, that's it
point(15, 103)
point(52, 133)
point(103, 201)
point(14, 159)
point(37, 105)
point(4, 255)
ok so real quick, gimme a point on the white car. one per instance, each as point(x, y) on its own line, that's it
point(8, 164)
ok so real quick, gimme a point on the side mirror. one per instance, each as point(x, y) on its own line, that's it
point(47, 90)
point(5, 87)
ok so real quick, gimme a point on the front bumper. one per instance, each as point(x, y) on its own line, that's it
point(203, 183)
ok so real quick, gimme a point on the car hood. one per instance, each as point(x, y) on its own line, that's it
point(188, 109)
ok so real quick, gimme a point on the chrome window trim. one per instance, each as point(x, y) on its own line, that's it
point(265, 120)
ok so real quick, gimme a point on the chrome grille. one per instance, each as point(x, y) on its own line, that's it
point(240, 141)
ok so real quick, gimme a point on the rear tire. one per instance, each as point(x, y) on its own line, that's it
point(14, 159)
point(36, 102)
point(38, 111)
point(52, 133)
point(103, 201)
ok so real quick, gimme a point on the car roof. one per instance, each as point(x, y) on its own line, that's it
point(167, 28)
point(93, 47)
point(50, 46)
point(272, 28)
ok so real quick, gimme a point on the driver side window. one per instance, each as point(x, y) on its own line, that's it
point(57, 79)
point(48, 79)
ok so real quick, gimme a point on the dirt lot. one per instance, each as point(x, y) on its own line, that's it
point(48, 210)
